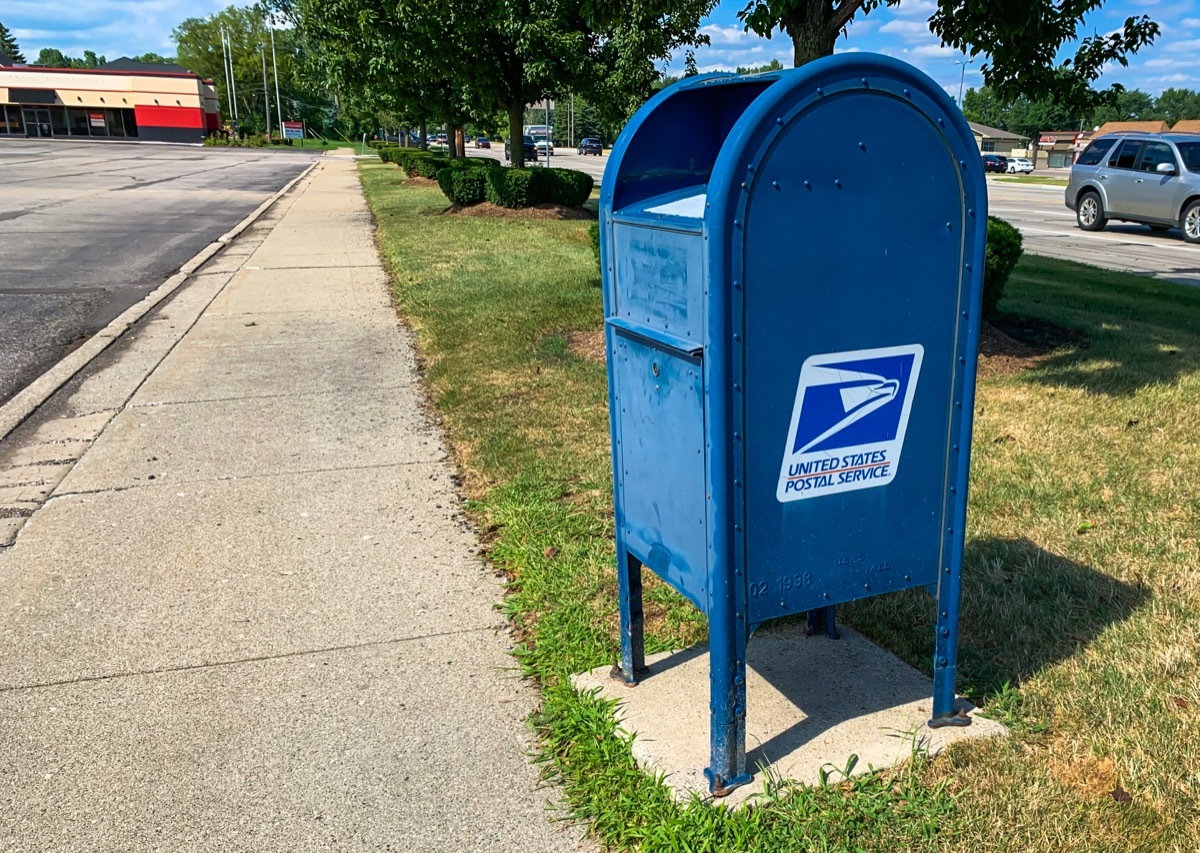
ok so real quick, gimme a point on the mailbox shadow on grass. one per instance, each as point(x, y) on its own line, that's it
point(1023, 608)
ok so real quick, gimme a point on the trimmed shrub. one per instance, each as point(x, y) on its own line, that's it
point(427, 167)
point(1003, 251)
point(511, 187)
point(567, 187)
point(463, 185)
point(594, 236)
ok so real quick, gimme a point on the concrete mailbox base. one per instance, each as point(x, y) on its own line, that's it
point(813, 702)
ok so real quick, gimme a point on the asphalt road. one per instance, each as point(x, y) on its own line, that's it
point(1049, 228)
point(88, 229)
point(1047, 225)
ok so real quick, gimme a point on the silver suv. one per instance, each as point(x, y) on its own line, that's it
point(1151, 178)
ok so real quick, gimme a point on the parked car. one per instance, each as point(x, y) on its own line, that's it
point(995, 163)
point(1149, 178)
point(527, 146)
point(1019, 164)
point(591, 145)
point(437, 144)
point(542, 146)
point(482, 142)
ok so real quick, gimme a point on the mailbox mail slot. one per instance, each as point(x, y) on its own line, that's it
point(792, 267)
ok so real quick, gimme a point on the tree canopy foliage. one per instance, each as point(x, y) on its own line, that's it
point(1021, 38)
point(50, 57)
point(458, 60)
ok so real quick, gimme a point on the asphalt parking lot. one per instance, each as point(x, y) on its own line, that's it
point(88, 229)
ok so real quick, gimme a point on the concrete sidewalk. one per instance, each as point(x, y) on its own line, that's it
point(249, 618)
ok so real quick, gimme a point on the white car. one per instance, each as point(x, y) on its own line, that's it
point(540, 146)
point(1019, 164)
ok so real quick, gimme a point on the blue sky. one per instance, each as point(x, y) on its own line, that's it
point(119, 27)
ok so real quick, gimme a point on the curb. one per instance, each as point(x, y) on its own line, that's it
point(26, 402)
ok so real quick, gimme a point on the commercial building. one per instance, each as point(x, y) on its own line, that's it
point(122, 99)
point(993, 140)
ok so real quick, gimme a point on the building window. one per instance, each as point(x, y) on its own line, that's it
point(988, 146)
point(58, 120)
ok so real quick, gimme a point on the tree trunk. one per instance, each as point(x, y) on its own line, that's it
point(404, 136)
point(516, 135)
point(460, 140)
point(423, 142)
point(810, 28)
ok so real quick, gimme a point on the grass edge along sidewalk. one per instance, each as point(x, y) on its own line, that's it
point(1081, 626)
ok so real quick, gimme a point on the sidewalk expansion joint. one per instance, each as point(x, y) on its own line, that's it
point(235, 478)
point(354, 389)
point(167, 670)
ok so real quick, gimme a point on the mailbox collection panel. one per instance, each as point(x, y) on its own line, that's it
point(792, 265)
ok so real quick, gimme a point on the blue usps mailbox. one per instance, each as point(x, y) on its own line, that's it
point(792, 267)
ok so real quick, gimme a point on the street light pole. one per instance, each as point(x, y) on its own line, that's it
point(961, 78)
point(266, 92)
point(275, 69)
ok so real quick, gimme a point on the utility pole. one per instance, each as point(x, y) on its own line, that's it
point(275, 68)
point(262, 51)
point(225, 68)
point(232, 80)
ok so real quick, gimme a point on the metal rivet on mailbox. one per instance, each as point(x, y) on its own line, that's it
point(654, 368)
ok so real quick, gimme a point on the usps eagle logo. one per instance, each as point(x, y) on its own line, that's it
point(848, 421)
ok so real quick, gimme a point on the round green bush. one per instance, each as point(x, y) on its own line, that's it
point(510, 187)
point(463, 185)
point(1003, 251)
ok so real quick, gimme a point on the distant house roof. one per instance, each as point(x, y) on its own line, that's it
point(127, 64)
point(994, 132)
point(1190, 125)
point(1142, 126)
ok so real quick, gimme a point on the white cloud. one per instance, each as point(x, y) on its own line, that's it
point(109, 27)
point(732, 34)
point(1190, 23)
point(1192, 46)
point(1174, 78)
point(936, 51)
point(908, 30)
point(1167, 63)
point(912, 8)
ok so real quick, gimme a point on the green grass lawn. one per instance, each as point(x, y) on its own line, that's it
point(1033, 179)
point(1081, 622)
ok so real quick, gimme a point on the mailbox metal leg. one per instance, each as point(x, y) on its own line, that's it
point(823, 619)
point(633, 640)
point(945, 653)
point(727, 720)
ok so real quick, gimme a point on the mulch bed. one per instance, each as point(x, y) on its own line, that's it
point(495, 211)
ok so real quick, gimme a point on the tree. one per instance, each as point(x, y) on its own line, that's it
point(1178, 104)
point(468, 59)
point(1126, 105)
point(982, 106)
point(1021, 37)
point(198, 48)
point(50, 57)
point(155, 58)
point(8, 45)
